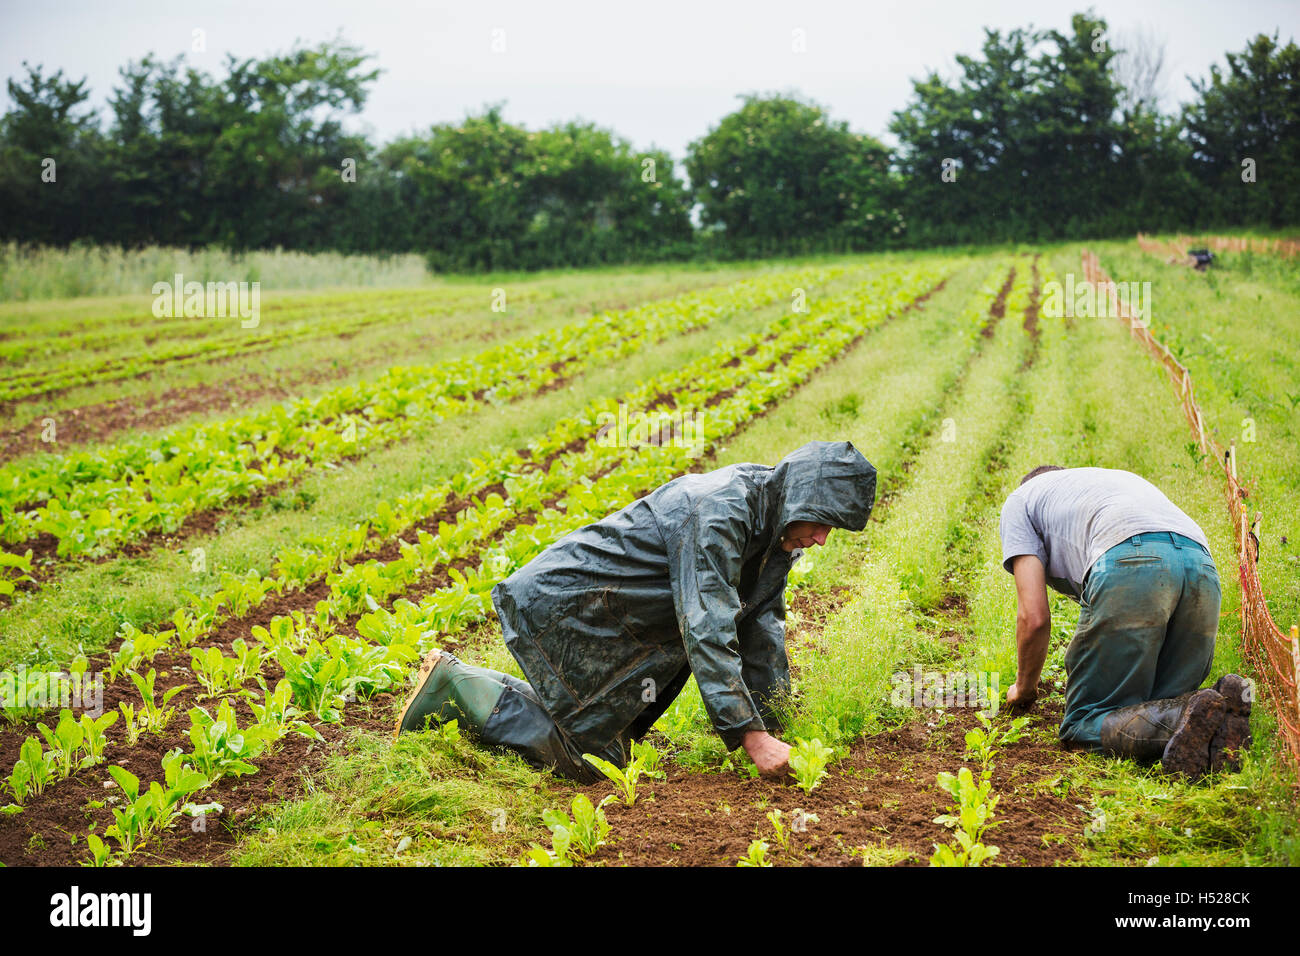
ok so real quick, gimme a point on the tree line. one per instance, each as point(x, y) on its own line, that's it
point(1043, 134)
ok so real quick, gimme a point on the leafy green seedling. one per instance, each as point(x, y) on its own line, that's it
point(650, 759)
point(100, 855)
point(558, 855)
point(587, 828)
point(155, 716)
point(973, 818)
point(808, 762)
point(31, 772)
point(756, 855)
point(774, 817)
point(625, 778)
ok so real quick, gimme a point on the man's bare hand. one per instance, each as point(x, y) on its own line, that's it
point(770, 756)
point(1020, 699)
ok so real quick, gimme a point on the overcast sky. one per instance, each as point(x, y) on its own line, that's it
point(659, 73)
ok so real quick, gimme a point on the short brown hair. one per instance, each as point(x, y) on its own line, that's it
point(1039, 470)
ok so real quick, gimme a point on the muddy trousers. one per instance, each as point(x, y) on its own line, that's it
point(1146, 631)
point(517, 721)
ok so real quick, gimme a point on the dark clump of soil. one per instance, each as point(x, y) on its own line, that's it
point(882, 798)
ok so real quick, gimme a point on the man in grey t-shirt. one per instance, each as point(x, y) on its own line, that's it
point(1149, 590)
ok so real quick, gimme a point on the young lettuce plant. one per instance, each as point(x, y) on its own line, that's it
point(625, 779)
point(221, 749)
point(972, 818)
point(808, 761)
point(587, 828)
point(756, 855)
point(154, 716)
point(218, 674)
point(100, 854)
point(32, 772)
point(558, 855)
point(984, 742)
point(649, 757)
point(277, 716)
point(77, 744)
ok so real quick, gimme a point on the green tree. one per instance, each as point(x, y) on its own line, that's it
point(46, 123)
point(1249, 112)
point(779, 171)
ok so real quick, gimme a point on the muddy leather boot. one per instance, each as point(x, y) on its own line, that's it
point(1177, 731)
point(446, 689)
point(1233, 735)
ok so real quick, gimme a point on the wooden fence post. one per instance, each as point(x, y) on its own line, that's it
point(1295, 659)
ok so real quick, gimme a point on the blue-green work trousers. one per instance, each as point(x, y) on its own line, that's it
point(1146, 631)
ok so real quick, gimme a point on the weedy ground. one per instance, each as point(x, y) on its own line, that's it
point(952, 408)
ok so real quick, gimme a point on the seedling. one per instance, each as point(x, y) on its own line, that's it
point(625, 778)
point(76, 744)
point(973, 818)
point(774, 817)
point(133, 727)
point(650, 758)
point(153, 716)
point(31, 772)
point(756, 856)
point(218, 674)
point(983, 743)
point(586, 830)
point(100, 854)
point(557, 855)
point(277, 716)
point(220, 748)
point(808, 761)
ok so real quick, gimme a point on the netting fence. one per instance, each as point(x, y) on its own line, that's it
point(1274, 654)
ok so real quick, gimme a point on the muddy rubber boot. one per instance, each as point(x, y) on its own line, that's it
point(447, 688)
point(1233, 735)
point(1175, 730)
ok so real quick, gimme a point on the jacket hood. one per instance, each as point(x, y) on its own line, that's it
point(829, 482)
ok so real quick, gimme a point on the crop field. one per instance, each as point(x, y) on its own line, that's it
point(241, 539)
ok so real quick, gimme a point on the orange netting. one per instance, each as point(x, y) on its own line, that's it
point(1178, 246)
point(1275, 656)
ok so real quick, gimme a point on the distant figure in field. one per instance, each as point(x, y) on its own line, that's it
point(610, 621)
point(1149, 590)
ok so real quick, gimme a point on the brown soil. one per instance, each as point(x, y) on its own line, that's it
point(41, 834)
point(99, 422)
point(882, 793)
point(999, 307)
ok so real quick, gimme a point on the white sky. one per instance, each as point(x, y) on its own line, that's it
point(659, 73)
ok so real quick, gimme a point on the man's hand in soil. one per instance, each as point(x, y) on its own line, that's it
point(1020, 699)
point(770, 756)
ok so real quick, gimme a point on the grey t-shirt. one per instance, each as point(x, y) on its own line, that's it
point(1070, 518)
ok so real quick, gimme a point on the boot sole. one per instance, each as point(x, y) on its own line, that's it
point(1229, 741)
point(1234, 735)
point(1188, 750)
point(431, 660)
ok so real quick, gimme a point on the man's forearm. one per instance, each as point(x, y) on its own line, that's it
point(1032, 641)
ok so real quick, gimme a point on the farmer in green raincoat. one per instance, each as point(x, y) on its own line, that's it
point(610, 621)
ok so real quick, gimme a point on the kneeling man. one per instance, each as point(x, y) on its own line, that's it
point(1149, 590)
point(610, 621)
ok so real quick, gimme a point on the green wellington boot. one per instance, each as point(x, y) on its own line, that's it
point(1177, 731)
point(445, 689)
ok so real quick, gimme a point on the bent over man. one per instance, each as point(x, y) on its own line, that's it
point(1149, 590)
point(610, 621)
